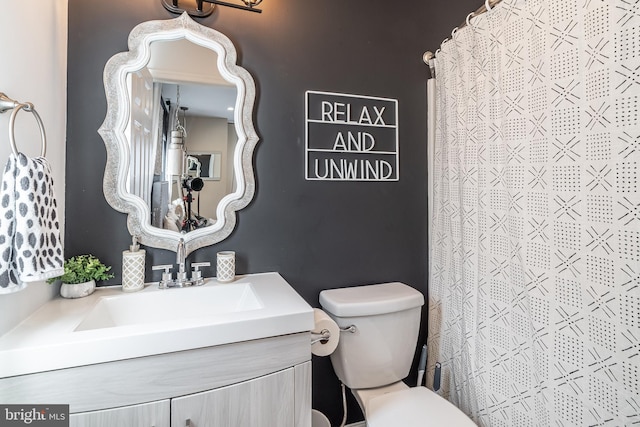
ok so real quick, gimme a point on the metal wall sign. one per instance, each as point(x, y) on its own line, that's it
point(351, 137)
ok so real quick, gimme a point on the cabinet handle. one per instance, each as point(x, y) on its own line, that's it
point(188, 423)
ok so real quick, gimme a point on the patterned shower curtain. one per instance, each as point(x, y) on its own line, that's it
point(534, 294)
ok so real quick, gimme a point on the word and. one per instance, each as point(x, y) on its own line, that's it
point(356, 142)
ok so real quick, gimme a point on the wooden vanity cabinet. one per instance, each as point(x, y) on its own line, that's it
point(260, 383)
point(266, 401)
point(154, 414)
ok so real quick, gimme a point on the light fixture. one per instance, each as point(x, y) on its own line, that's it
point(176, 151)
point(202, 8)
point(175, 155)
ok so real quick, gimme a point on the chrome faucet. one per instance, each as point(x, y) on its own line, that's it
point(181, 255)
point(181, 275)
point(181, 280)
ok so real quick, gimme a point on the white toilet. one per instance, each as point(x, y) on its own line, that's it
point(373, 360)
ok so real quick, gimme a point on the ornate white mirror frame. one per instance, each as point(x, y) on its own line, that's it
point(118, 146)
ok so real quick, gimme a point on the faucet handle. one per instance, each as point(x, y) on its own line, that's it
point(196, 275)
point(167, 280)
point(195, 265)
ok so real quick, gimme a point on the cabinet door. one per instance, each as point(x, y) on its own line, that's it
point(303, 394)
point(154, 414)
point(262, 402)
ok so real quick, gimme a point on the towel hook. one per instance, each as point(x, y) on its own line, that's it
point(6, 104)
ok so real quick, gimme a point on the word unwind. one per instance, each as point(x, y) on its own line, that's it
point(351, 138)
point(353, 170)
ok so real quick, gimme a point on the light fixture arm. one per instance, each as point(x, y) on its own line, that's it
point(249, 5)
point(202, 11)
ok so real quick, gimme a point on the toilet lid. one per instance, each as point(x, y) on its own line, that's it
point(414, 407)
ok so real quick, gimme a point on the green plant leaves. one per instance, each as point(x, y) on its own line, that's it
point(83, 268)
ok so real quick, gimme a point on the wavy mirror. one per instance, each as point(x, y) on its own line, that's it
point(179, 134)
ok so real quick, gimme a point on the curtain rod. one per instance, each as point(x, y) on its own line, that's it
point(428, 56)
point(482, 9)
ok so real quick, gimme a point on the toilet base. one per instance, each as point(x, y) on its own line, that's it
point(398, 405)
point(363, 396)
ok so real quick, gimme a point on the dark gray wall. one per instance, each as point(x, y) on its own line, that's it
point(317, 235)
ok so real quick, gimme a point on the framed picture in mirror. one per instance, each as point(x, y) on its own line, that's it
point(205, 165)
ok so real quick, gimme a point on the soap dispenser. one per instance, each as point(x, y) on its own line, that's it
point(133, 267)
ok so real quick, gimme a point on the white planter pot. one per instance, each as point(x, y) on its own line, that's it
point(78, 290)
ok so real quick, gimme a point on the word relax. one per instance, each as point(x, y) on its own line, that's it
point(358, 169)
point(338, 112)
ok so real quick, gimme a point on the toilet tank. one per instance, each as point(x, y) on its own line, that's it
point(387, 321)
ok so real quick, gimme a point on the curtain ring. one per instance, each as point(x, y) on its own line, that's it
point(12, 121)
point(487, 4)
point(454, 31)
point(469, 16)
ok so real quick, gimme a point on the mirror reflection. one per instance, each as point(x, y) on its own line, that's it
point(182, 135)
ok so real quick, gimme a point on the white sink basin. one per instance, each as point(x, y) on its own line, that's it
point(171, 305)
point(111, 325)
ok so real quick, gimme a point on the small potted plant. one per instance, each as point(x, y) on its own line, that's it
point(80, 275)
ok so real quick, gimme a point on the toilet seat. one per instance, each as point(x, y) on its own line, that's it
point(414, 407)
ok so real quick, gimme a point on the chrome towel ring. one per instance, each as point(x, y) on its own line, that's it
point(7, 104)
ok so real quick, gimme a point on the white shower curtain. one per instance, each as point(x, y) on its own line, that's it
point(534, 294)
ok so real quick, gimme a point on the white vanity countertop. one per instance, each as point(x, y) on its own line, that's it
point(53, 337)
